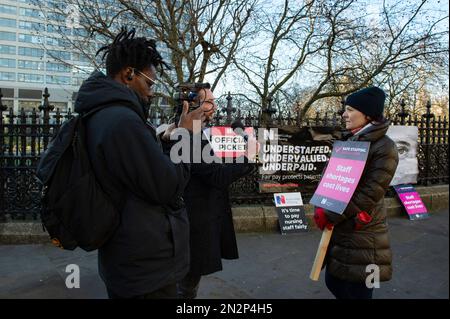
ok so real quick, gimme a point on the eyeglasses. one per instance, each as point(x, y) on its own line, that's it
point(147, 77)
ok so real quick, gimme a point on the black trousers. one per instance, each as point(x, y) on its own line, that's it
point(342, 289)
point(167, 292)
point(187, 288)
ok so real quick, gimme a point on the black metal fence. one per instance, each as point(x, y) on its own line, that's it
point(24, 136)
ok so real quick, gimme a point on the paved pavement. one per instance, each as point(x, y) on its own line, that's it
point(270, 266)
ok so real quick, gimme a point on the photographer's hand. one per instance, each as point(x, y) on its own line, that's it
point(192, 121)
point(166, 136)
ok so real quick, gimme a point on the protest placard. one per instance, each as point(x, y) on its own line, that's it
point(405, 138)
point(295, 162)
point(412, 202)
point(226, 143)
point(291, 213)
point(342, 175)
point(336, 188)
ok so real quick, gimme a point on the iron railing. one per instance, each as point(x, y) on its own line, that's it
point(24, 136)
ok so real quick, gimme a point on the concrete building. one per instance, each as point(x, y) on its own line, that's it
point(34, 54)
point(32, 57)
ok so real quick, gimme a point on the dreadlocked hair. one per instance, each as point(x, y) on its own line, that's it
point(128, 51)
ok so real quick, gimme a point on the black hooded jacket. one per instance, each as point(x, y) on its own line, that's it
point(212, 235)
point(150, 248)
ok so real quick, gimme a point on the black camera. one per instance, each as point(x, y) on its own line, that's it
point(187, 92)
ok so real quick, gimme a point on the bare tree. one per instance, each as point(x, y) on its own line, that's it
point(266, 64)
point(376, 52)
point(344, 50)
point(325, 48)
point(200, 37)
point(203, 36)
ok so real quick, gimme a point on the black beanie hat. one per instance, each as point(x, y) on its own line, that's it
point(369, 101)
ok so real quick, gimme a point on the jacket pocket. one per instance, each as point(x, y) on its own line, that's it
point(144, 231)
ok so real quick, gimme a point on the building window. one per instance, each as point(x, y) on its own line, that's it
point(30, 78)
point(52, 41)
point(8, 36)
point(7, 76)
point(31, 65)
point(30, 12)
point(54, 4)
point(57, 79)
point(80, 57)
point(80, 32)
point(7, 63)
point(28, 38)
point(88, 46)
point(55, 16)
point(35, 26)
point(61, 55)
point(77, 81)
point(82, 70)
point(57, 42)
point(8, 103)
point(29, 105)
point(62, 106)
point(8, 9)
point(58, 67)
point(5, 22)
point(7, 49)
point(51, 28)
point(34, 52)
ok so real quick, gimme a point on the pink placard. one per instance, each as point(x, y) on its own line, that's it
point(341, 176)
point(340, 179)
point(413, 203)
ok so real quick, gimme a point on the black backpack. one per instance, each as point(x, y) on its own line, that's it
point(75, 210)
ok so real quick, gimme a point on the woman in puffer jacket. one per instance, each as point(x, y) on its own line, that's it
point(360, 241)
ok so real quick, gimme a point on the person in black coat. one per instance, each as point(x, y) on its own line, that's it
point(149, 252)
point(212, 235)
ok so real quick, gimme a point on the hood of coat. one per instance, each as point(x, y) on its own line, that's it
point(100, 89)
point(371, 133)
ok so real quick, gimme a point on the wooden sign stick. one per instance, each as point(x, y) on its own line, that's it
point(320, 254)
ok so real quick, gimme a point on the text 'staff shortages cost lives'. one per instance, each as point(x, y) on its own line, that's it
point(342, 175)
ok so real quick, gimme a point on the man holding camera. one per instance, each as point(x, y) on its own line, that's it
point(149, 251)
point(212, 235)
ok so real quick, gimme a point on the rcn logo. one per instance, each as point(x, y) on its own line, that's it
point(281, 199)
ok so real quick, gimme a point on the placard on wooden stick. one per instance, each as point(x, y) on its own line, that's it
point(336, 188)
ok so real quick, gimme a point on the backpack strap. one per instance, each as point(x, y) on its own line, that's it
point(118, 199)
